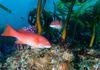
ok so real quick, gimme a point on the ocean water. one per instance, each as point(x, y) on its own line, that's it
point(20, 9)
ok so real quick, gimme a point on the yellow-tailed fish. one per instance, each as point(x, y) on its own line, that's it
point(67, 20)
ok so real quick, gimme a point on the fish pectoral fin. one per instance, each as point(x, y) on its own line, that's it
point(19, 42)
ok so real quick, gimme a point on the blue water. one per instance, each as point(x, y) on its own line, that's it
point(19, 9)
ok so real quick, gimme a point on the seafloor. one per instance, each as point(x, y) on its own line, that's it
point(22, 57)
point(50, 59)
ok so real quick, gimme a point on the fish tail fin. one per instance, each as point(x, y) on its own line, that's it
point(9, 31)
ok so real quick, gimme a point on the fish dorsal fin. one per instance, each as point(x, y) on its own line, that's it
point(9, 31)
point(23, 31)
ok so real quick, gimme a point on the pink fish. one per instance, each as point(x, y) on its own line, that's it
point(23, 37)
point(56, 24)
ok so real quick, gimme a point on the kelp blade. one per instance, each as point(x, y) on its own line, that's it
point(5, 8)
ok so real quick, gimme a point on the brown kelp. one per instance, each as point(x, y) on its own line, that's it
point(5, 8)
point(67, 20)
point(32, 14)
point(93, 36)
point(82, 19)
point(38, 24)
point(45, 19)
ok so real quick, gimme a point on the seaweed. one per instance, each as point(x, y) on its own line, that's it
point(5, 8)
point(38, 24)
point(6, 47)
point(67, 20)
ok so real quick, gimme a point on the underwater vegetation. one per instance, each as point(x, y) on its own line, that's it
point(67, 38)
point(6, 47)
point(5, 8)
point(83, 17)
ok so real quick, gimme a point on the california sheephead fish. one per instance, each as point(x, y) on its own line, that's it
point(56, 24)
point(24, 37)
